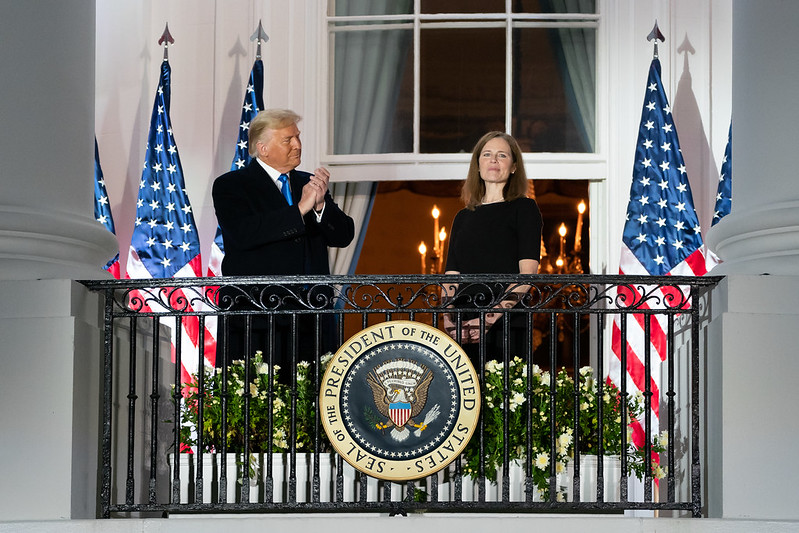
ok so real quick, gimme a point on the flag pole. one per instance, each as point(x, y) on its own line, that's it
point(655, 35)
point(259, 35)
point(166, 39)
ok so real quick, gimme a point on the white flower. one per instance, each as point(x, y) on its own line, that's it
point(545, 377)
point(659, 472)
point(253, 390)
point(518, 382)
point(279, 438)
point(493, 367)
point(516, 400)
point(542, 460)
point(560, 467)
point(277, 405)
point(536, 370)
point(325, 359)
point(664, 438)
point(262, 369)
point(304, 364)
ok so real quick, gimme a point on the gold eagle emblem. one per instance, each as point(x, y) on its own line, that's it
point(399, 389)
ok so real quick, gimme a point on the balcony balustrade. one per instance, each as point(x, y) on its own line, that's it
point(552, 435)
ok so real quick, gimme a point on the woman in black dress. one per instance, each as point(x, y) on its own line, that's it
point(498, 232)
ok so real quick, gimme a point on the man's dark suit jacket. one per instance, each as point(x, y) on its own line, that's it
point(263, 235)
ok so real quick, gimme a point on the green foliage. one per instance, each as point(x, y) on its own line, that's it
point(263, 404)
point(552, 422)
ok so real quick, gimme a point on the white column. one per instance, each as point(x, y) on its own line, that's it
point(751, 365)
point(49, 400)
point(49, 333)
point(761, 234)
point(47, 226)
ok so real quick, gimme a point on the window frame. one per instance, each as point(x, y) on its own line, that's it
point(415, 165)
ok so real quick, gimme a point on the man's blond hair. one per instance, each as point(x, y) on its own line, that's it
point(267, 121)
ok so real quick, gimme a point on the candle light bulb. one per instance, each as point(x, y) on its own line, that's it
point(578, 232)
point(559, 262)
point(422, 248)
point(562, 229)
point(442, 235)
point(436, 246)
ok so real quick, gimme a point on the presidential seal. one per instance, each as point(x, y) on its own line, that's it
point(399, 400)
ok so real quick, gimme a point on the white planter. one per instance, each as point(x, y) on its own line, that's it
point(375, 489)
point(588, 478)
point(280, 475)
point(259, 480)
point(493, 490)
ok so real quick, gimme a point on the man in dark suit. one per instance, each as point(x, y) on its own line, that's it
point(277, 220)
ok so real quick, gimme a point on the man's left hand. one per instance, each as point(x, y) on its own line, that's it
point(320, 178)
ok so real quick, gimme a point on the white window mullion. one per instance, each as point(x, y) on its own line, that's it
point(417, 68)
point(508, 67)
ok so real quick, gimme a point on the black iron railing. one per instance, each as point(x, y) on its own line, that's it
point(553, 434)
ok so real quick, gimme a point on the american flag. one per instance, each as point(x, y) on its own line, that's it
point(165, 242)
point(661, 236)
point(253, 103)
point(724, 195)
point(102, 209)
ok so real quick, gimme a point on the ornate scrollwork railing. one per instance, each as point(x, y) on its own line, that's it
point(212, 296)
point(566, 324)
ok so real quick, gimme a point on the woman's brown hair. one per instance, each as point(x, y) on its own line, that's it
point(474, 188)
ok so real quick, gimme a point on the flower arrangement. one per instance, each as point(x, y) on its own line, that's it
point(545, 419)
point(263, 404)
point(537, 411)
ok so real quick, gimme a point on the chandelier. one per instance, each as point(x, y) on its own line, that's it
point(566, 262)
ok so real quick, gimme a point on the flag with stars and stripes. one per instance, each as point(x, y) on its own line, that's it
point(164, 243)
point(102, 209)
point(724, 194)
point(253, 103)
point(661, 237)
